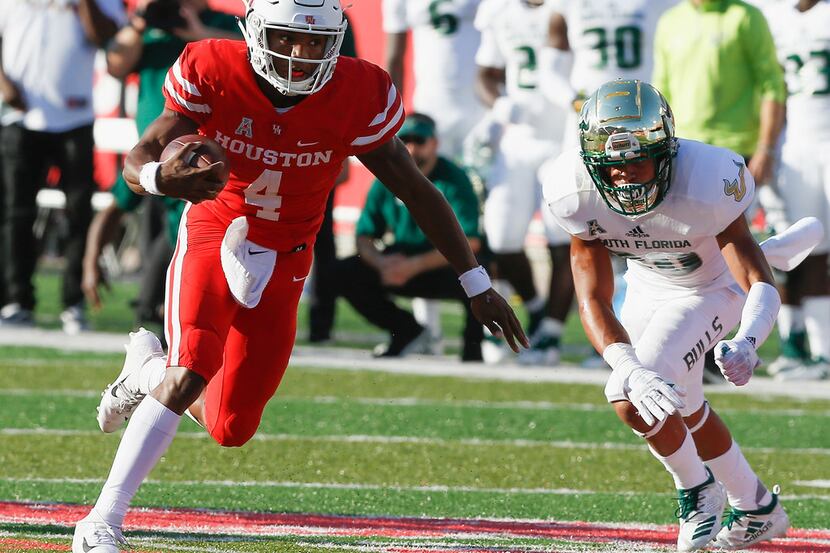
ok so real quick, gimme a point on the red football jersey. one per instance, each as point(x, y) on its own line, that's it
point(283, 163)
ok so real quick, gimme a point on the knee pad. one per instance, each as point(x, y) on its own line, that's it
point(651, 431)
point(234, 431)
point(702, 420)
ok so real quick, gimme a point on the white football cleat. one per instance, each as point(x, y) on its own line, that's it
point(700, 513)
point(745, 528)
point(120, 398)
point(93, 535)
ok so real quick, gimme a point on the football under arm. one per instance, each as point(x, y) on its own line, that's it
point(593, 278)
point(166, 127)
point(394, 167)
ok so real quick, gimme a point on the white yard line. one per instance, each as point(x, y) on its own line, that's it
point(381, 439)
point(375, 487)
point(351, 359)
point(421, 402)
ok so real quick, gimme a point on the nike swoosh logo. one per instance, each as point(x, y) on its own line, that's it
point(302, 144)
point(252, 252)
point(86, 546)
point(300, 279)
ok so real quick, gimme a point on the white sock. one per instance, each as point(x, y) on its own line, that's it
point(745, 491)
point(817, 323)
point(151, 374)
point(684, 465)
point(535, 304)
point(790, 319)
point(428, 314)
point(147, 437)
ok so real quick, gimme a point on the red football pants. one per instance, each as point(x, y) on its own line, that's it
point(241, 353)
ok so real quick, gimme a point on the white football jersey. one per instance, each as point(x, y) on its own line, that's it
point(512, 34)
point(803, 44)
point(673, 247)
point(445, 41)
point(611, 39)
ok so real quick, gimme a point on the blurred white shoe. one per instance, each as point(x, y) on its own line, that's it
point(73, 320)
point(812, 370)
point(544, 344)
point(121, 397)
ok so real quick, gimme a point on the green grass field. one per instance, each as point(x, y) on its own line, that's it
point(360, 443)
point(368, 443)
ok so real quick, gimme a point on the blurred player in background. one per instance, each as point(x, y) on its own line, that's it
point(674, 209)
point(802, 37)
point(521, 130)
point(444, 43)
point(287, 121)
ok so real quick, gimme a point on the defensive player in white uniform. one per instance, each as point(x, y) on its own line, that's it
point(801, 30)
point(525, 130)
point(675, 209)
point(445, 41)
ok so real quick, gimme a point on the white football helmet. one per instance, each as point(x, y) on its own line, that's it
point(319, 17)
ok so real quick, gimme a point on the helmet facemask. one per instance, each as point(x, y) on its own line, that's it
point(625, 122)
point(632, 198)
point(263, 59)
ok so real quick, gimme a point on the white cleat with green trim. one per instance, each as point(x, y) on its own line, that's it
point(700, 512)
point(743, 529)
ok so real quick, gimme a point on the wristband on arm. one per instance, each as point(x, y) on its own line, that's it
point(147, 177)
point(475, 281)
point(621, 358)
point(759, 313)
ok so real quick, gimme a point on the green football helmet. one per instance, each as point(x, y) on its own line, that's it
point(624, 122)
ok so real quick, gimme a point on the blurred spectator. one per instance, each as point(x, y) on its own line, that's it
point(715, 62)
point(410, 266)
point(48, 51)
point(149, 45)
point(323, 288)
point(801, 31)
point(444, 41)
point(522, 130)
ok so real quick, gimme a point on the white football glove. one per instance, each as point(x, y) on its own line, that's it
point(737, 360)
point(654, 398)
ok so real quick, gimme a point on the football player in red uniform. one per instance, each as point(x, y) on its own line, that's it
point(287, 121)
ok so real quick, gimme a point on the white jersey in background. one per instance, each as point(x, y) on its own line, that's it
point(512, 34)
point(445, 42)
point(802, 41)
point(671, 249)
point(611, 39)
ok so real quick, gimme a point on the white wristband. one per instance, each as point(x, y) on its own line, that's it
point(475, 281)
point(147, 177)
point(621, 358)
point(759, 313)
